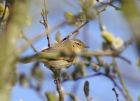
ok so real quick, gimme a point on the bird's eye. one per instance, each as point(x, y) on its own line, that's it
point(77, 43)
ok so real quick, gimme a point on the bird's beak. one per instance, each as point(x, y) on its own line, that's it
point(86, 46)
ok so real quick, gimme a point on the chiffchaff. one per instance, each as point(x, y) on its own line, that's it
point(69, 46)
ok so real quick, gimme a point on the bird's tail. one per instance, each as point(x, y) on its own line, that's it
point(28, 59)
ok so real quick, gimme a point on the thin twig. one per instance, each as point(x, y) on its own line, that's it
point(116, 94)
point(31, 41)
point(122, 81)
point(110, 4)
point(100, 53)
point(24, 36)
point(58, 84)
point(41, 35)
point(124, 58)
point(45, 21)
point(75, 31)
point(101, 74)
point(100, 22)
point(117, 8)
point(100, 11)
point(44, 55)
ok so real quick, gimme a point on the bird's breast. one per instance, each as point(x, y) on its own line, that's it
point(57, 64)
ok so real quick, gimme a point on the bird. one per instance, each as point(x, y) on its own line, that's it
point(68, 46)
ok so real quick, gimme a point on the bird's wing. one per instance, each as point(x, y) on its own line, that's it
point(64, 46)
point(60, 47)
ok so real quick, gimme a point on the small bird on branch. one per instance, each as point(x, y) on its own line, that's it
point(58, 55)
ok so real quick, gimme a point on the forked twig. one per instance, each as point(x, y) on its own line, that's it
point(110, 4)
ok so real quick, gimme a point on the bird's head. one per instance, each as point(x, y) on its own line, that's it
point(78, 45)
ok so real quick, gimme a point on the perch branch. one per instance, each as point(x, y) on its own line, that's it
point(57, 74)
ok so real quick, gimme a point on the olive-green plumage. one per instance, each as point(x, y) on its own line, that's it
point(55, 60)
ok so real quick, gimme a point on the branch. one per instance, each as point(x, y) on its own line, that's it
point(128, 97)
point(75, 31)
point(116, 94)
point(34, 39)
point(108, 3)
point(41, 35)
point(101, 74)
point(58, 84)
point(45, 22)
point(100, 21)
point(44, 55)
point(24, 36)
point(100, 53)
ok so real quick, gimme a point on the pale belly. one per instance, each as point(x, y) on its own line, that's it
point(57, 64)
